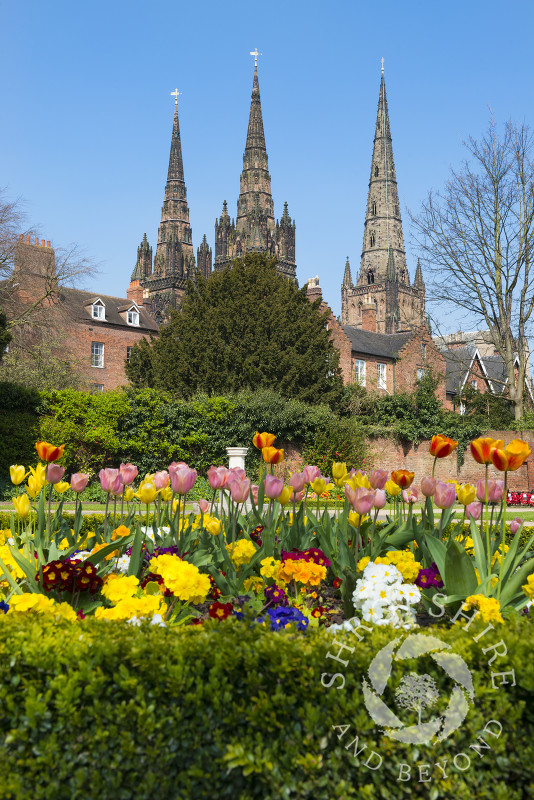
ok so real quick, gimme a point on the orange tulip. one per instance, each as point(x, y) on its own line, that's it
point(402, 477)
point(482, 448)
point(512, 457)
point(49, 452)
point(261, 440)
point(271, 455)
point(442, 446)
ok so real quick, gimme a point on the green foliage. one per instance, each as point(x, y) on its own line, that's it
point(101, 709)
point(492, 411)
point(139, 367)
point(343, 440)
point(245, 327)
point(5, 334)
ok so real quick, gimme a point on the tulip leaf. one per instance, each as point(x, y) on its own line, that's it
point(514, 584)
point(459, 574)
point(437, 550)
point(481, 559)
point(510, 561)
point(135, 556)
point(9, 578)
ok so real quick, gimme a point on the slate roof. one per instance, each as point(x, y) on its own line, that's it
point(458, 362)
point(78, 305)
point(386, 345)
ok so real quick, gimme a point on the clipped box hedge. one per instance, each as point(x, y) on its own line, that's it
point(98, 710)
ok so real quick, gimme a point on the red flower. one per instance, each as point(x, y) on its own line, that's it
point(337, 583)
point(220, 610)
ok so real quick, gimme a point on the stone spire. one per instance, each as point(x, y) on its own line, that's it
point(175, 259)
point(204, 258)
point(255, 229)
point(143, 265)
point(383, 225)
point(418, 280)
point(347, 277)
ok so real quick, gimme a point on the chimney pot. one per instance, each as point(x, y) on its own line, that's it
point(42, 242)
point(37, 241)
point(48, 244)
point(28, 240)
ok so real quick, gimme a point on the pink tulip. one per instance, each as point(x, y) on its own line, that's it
point(217, 476)
point(238, 472)
point(495, 490)
point(444, 494)
point(110, 480)
point(161, 479)
point(311, 473)
point(515, 525)
point(350, 493)
point(176, 465)
point(298, 497)
point(273, 487)
point(363, 500)
point(183, 479)
point(378, 479)
point(298, 481)
point(128, 473)
point(79, 481)
point(203, 505)
point(409, 495)
point(54, 473)
point(380, 498)
point(428, 486)
point(473, 511)
point(239, 489)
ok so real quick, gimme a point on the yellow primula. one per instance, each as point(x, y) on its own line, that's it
point(9, 561)
point(181, 578)
point(404, 561)
point(269, 567)
point(528, 588)
point(300, 571)
point(124, 586)
point(119, 532)
point(362, 563)
point(392, 488)
point(242, 551)
point(488, 607)
point(129, 607)
point(40, 604)
point(253, 584)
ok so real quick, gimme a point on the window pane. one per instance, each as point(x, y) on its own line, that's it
point(97, 354)
point(381, 376)
point(359, 371)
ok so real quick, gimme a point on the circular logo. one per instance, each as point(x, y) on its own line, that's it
point(418, 692)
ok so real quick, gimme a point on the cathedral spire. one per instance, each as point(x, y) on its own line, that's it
point(347, 277)
point(383, 225)
point(176, 166)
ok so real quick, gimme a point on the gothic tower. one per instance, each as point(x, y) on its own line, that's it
point(255, 229)
point(383, 279)
point(164, 286)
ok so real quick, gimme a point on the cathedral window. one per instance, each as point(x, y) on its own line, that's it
point(372, 240)
point(373, 209)
point(98, 310)
point(376, 172)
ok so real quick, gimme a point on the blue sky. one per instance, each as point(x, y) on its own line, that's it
point(87, 113)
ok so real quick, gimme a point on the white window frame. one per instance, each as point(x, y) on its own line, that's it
point(97, 387)
point(381, 376)
point(128, 352)
point(132, 316)
point(98, 310)
point(359, 371)
point(474, 384)
point(97, 355)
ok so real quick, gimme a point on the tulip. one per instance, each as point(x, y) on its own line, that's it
point(203, 505)
point(378, 478)
point(482, 448)
point(355, 519)
point(217, 476)
point(22, 505)
point(273, 487)
point(444, 495)
point(34, 486)
point(255, 489)
point(311, 473)
point(350, 493)
point(166, 493)
point(512, 457)
point(161, 479)
point(297, 481)
point(54, 473)
point(17, 474)
point(110, 480)
point(473, 511)
point(515, 525)
point(261, 440)
point(298, 497)
point(428, 486)
point(49, 452)
point(402, 477)
point(147, 493)
point(237, 472)
point(183, 479)
point(359, 478)
point(129, 494)
point(363, 501)
point(285, 495)
point(380, 498)
point(466, 494)
point(176, 465)
point(409, 496)
point(128, 473)
point(442, 446)
point(392, 488)
point(61, 486)
point(240, 489)
point(272, 455)
point(339, 472)
point(495, 491)
point(319, 486)
point(79, 481)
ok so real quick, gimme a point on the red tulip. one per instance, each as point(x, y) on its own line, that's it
point(272, 455)
point(482, 448)
point(402, 477)
point(442, 446)
point(261, 440)
point(49, 452)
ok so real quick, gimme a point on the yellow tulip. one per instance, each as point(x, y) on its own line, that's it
point(34, 486)
point(166, 493)
point(212, 525)
point(355, 519)
point(466, 493)
point(129, 494)
point(61, 487)
point(392, 488)
point(147, 493)
point(359, 479)
point(17, 474)
point(339, 473)
point(318, 486)
point(285, 495)
point(22, 505)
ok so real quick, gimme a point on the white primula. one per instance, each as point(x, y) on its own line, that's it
point(383, 598)
point(123, 564)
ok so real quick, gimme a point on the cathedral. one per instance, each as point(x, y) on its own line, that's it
point(161, 285)
point(383, 282)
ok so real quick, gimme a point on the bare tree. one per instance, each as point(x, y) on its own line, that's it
point(416, 692)
point(477, 242)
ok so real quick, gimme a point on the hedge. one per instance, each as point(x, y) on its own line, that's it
point(98, 710)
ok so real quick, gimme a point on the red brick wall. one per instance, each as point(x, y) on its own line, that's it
point(411, 359)
point(389, 454)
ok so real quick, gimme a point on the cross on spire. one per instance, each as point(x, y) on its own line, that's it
point(175, 95)
point(255, 54)
point(382, 60)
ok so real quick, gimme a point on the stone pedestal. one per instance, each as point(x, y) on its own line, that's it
point(236, 456)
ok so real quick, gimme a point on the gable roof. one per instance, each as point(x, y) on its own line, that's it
point(459, 363)
point(78, 303)
point(387, 345)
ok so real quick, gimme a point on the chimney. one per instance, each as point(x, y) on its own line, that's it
point(313, 290)
point(369, 317)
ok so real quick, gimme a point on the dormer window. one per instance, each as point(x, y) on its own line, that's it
point(98, 310)
point(132, 316)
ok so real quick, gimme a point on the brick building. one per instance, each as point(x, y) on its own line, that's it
point(95, 332)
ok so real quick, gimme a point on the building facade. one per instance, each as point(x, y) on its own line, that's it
point(383, 279)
